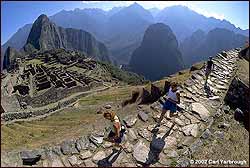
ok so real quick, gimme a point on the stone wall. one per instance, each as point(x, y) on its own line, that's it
point(238, 95)
point(51, 95)
point(10, 116)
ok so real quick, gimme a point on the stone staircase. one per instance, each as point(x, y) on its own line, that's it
point(169, 145)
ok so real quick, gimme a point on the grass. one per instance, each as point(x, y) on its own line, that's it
point(113, 94)
point(68, 123)
point(49, 130)
point(34, 62)
point(180, 78)
point(234, 146)
point(243, 71)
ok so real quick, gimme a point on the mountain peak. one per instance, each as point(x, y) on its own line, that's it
point(135, 6)
point(159, 50)
point(42, 18)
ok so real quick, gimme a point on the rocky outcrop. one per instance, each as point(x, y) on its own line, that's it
point(46, 35)
point(9, 61)
point(159, 51)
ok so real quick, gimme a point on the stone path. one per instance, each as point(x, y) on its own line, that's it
point(169, 145)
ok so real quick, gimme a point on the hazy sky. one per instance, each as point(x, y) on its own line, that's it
point(16, 14)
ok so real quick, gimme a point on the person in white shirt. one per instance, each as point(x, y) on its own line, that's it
point(173, 98)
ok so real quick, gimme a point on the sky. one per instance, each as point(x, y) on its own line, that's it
point(15, 15)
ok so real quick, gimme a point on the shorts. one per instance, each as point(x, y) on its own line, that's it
point(168, 105)
point(118, 140)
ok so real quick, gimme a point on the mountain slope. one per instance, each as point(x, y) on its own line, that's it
point(126, 28)
point(154, 11)
point(184, 21)
point(18, 40)
point(199, 46)
point(158, 55)
point(9, 57)
point(45, 35)
point(189, 46)
point(90, 20)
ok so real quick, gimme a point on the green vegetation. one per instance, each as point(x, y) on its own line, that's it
point(49, 130)
point(112, 94)
point(125, 76)
point(34, 62)
point(66, 124)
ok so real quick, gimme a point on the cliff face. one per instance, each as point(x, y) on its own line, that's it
point(158, 55)
point(9, 57)
point(45, 35)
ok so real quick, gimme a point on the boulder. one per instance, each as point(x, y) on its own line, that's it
point(171, 153)
point(140, 152)
point(179, 122)
point(57, 150)
point(82, 143)
point(73, 160)
point(170, 142)
point(56, 162)
point(214, 98)
point(143, 116)
point(107, 144)
point(89, 163)
point(206, 134)
point(128, 147)
point(97, 138)
point(200, 110)
point(143, 132)
point(132, 134)
point(191, 129)
point(187, 141)
point(30, 157)
point(11, 159)
point(164, 160)
point(183, 162)
point(68, 147)
point(100, 155)
point(195, 146)
point(226, 109)
point(85, 154)
point(130, 120)
point(223, 125)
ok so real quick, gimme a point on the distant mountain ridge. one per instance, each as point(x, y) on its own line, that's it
point(184, 21)
point(200, 45)
point(121, 29)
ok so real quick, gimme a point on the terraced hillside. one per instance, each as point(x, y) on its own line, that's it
point(50, 80)
point(174, 143)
